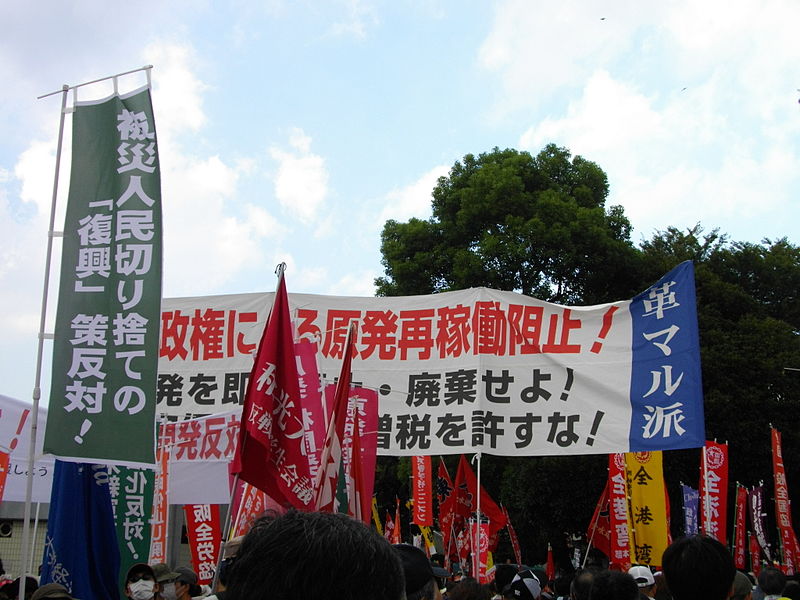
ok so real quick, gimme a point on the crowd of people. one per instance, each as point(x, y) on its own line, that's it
point(321, 556)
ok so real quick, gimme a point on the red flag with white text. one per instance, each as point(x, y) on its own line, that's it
point(331, 459)
point(618, 516)
point(783, 512)
point(205, 539)
point(739, 534)
point(270, 454)
point(714, 490)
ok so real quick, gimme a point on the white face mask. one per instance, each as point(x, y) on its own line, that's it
point(168, 593)
point(142, 589)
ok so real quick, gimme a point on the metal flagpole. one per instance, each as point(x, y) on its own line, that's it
point(33, 536)
point(37, 391)
point(477, 561)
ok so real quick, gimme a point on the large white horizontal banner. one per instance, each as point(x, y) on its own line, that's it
point(471, 370)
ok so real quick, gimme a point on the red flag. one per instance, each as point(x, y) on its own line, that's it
point(397, 534)
point(755, 554)
point(466, 498)
point(270, 451)
point(619, 523)
point(330, 461)
point(357, 507)
point(513, 536)
point(389, 529)
point(739, 556)
point(4, 460)
point(421, 477)
point(550, 568)
point(446, 498)
point(599, 532)
point(714, 490)
point(783, 513)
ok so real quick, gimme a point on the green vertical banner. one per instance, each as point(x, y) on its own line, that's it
point(105, 353)
point(132, 500)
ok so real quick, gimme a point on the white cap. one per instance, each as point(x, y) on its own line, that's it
point(642, 575)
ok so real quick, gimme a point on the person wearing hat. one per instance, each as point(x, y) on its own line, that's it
point(742, 587)
point(186, 584)
point(140, 582)
point(644, 578)
point(420, 579)
point(51, 590)
point(165, 578)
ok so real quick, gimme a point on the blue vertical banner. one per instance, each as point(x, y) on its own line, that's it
point(691, 502)
point(81, 550)
point(666, 385)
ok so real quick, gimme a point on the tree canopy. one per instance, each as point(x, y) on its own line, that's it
point(539, 225)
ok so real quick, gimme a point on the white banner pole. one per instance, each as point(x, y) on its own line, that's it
point(37, 390)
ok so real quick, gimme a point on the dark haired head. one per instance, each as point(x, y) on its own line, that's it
point(771, 581)
point(315, 556)
point(614, 585)
point(698, 567)
point(582, 584)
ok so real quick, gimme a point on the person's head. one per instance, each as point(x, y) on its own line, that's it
point(524, 586)
point(614, 585)
point(792, 590)
point(742, 587)
point(418, 573)
point(50, 590)
point(771, 581)
point(140, 582)
point(582, 584)
point(186, 583)
point(503, 574)
point(644, 579)
point(698, 567)
point(469, 589)
point(280, 555)
point(165, 578)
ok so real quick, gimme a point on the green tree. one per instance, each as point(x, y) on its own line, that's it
point(512, 221)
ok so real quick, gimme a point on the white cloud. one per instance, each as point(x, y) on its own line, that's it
point(361, 283)
point(413, 200)
point(356, 18)
point(301, 180)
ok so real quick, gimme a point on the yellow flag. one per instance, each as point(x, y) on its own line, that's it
point(648, 507)
point(375, 517)
point(428, 537)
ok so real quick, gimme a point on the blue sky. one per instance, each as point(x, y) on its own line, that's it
point(290, 131)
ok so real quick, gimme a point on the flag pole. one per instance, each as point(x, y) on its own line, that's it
point(477, 560)
point(37, 390)
point(226, 531)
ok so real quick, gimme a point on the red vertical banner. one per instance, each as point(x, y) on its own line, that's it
point(599, 532)
point(389, 528)
point(158, 540)
point(783, 513)
point(550, 566)
point(755, 554)
point(714, 490)
point(480, 549)
point(513, 537)
point(397, 532)
point(423, 502)
point(205, 539)
point(446, 498)
point(314, 418)
point(619, 522)
point(739, 553)
point(4, 458)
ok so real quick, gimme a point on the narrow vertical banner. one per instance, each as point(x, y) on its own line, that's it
point(512, 535)
point(105, 350)
point(666, 386)
point(619, 521)
point(739, 534)
point(132, 501)
point(755, 500)
point(783, 513)
point(648, 505)
point(755, 554)
point(714, 491)
point(252, 504)
point(160, 510)
point(691, 503)
point(205, 539)
point(421, 477)
point(397, 532)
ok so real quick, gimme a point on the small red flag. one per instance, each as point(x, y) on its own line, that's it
point(446, 498)
point(270, 454)
point(389, 528)
point(550, 568)
point(466, 498)
point(397, 533)
point(514, 539)
point(331, 458)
